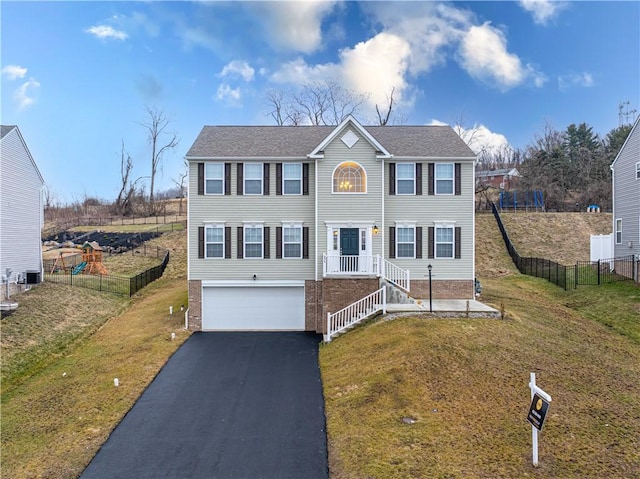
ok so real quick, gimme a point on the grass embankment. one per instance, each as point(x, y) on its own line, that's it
point(465, 383)
point(57, 413)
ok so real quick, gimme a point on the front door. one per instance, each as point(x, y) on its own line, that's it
point(349, 249)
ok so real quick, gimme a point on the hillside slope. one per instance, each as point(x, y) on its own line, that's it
point(562, 237)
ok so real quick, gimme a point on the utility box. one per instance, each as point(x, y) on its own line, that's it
point(33, 277)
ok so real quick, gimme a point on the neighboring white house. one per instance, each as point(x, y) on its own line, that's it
point(626, 196)
point(21, 212)
point(287, 223)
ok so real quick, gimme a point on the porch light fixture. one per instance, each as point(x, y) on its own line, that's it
point(375, 229)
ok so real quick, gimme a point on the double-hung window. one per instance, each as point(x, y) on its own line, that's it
point(214, 178)
point(444, 178)
point(253, 238)
point(292, 178)
point(253, 174)
point(292, 241)
point(618, 230)
point(214, 241)
point(405, 242)
point(405, 178)
point(638, 170)
point(444, 242)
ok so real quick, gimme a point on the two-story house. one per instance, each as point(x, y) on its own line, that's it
point(626, 197)
point(287, 223)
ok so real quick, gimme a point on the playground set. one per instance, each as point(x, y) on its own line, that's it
point(91, 261)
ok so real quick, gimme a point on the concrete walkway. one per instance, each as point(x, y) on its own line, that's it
point(446, 306)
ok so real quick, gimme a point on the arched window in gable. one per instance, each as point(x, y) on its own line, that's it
point(349, 177)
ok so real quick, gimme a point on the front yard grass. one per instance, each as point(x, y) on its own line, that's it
point(464, 382)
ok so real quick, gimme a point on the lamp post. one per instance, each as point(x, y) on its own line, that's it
point(430, 291)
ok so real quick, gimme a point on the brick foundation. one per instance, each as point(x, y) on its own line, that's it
point(445, 289)
point(195, 305)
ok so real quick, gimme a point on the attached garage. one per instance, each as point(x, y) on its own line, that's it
point(255, 307)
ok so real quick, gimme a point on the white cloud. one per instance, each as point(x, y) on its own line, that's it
point(482, 140)
point(583, 79)
point(377, 66)
point(294, 26)
point(13, 72)
point(436, 122)
point(226, 93)
point(542, 10)
point(483, 54)
point(299, 72)
point(238, 68)
point(23, 96)
point(105, 32)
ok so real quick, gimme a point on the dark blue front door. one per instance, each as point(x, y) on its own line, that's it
point(349, 249)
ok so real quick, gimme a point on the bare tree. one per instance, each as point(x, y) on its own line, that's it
point(383, 119)
point(156, 124)
point(180, 182)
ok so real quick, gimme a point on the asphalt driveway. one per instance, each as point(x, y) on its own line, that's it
point(226, 405)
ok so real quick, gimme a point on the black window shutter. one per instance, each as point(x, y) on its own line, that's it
point(431, 244)
point(458, 188)
point(200, 241)
point(227, 242)
point(419, 242)
point(240, 180)
point(278, 242)
point(305, 179)
point(305, 242)
point(431, 173)
point(266, 241)
point(265, 179)
point(201, 178)
point(392, 241)
point(278, 179)
point(418, 179)
point(240, 242)
point(392, 178)
point(458, 245)
point(227, 179)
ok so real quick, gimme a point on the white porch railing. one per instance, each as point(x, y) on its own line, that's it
point(396, 275)
point(350, 265)
point(356, 312)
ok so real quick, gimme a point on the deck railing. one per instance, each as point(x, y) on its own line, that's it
point(350, 265)
point(356, 312)
point(396, 275)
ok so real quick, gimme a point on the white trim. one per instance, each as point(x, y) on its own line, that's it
point(406, 226)
point(297, 226)
point(245, 179)
point(245, 243)
point(301, 179)
point(635, 125)
point(218, 226)
point(615, 230)
point(248, 282)
point(453, 240)
point(435, 179)
point(349, 224)
point(241, 159)
point(318, 151)
point(414, 179)
point(221, 179)
point(250, 223)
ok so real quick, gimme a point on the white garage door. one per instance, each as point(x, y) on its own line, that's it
point(251, 308)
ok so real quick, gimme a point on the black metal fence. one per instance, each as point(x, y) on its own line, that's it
point(163, 223)
point(126, 286)
point(582, 273)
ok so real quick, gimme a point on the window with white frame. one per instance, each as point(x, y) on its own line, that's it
point(405, 242)
point(405, 179)
point(349, 177)
point(214, 178)
point(292, 241)
point(444, 242)
point(253, 242)
point(444, 178)
point(214, 241)
point(638, 170)
point(292, 178)
point(618, 230)
point(253, 178)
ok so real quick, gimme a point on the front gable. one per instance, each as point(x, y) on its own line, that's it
point(349, 132)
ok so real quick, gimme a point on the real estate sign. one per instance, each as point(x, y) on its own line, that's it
point(538, 411)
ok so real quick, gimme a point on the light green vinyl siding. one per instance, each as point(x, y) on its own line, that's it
point(233, 210)
point(427, 210)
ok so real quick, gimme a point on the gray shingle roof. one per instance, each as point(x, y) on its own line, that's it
point(299, 141)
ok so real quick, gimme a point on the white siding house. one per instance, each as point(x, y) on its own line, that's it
point(21, 212)
point(289, 223)
point(626, 196)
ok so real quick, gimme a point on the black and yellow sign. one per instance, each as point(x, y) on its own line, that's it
point(538, 411)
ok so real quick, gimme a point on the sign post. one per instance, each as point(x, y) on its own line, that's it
point(537, 414)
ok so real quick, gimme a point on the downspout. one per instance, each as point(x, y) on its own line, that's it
point(473, 230)
point(41, 215)
point(315, 174)
point(383, 230)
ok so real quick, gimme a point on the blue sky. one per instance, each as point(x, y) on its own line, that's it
point(76, 76)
